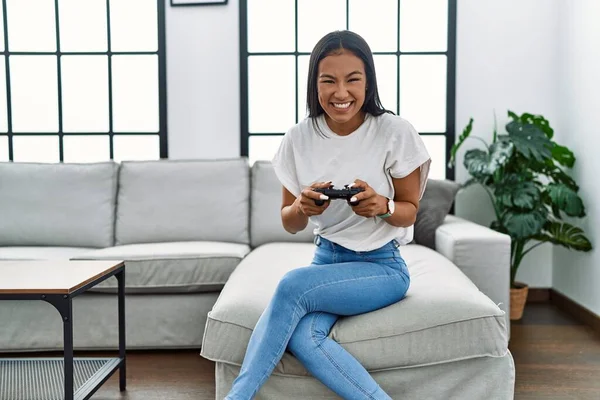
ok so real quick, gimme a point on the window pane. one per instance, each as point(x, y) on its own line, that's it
point(35, 149)
point(423, 92)
point(271, 93)
point(423, 25)
point(133, 25)
point(32, 25)
point(3, 112)
point(302, 86)
point(135, 93)
point(83, 25)
point(263, 147)
point(3, 148)
point(85, 93)
point(34, 93)
point(266, 17)
point(316, 18)
point(436, 146)
point(135, 147)
point(382, 35)
point(1, 28)
point(80, 149)
point(386, 70)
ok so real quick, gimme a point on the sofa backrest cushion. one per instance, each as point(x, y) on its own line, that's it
point(57, 204)
point(265, 214)
point(433, 208)
point(183, 200)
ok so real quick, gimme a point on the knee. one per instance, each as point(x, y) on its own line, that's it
point(291, 286)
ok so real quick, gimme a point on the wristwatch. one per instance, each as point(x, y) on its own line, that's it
point(391, 206)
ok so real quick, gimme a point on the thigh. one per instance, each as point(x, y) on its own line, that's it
point(343, 288)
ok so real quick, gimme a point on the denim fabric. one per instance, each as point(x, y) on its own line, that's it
point(306, 304)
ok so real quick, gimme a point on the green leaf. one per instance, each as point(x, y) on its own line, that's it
point(522, 225)
point(530, 141)
point(477, 163)
point(520, 195)
point(461, 139)
point(500, 153)
point(566, 199)
point(563, 155)
point(566, 235)
point(558, 175)
point(512, 115)
point(481, 164)
point(538, 121)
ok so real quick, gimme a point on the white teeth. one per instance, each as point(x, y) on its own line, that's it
point(341, 105)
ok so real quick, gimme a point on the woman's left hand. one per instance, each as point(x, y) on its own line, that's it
point(370, 203)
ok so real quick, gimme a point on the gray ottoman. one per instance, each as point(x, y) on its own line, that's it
point(445, 340)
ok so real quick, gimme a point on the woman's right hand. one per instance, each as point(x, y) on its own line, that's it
point(305, 203)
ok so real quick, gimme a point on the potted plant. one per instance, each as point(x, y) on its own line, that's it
point(522, 172)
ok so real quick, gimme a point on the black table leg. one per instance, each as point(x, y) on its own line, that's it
point(64, 305)
point(122, 369)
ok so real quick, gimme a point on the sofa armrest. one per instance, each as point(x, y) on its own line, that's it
point(480, 253)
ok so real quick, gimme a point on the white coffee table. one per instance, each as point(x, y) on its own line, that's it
point(58, 282)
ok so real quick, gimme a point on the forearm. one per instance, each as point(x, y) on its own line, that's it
point(404, 215)
point(293, 219)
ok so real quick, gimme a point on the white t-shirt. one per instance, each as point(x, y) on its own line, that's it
point(382, 147)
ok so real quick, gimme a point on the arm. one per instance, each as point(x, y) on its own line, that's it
point(406, 200)
point(292, 217)
point(296, 210)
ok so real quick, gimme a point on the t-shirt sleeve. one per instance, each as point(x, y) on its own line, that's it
point(284, 165)
point(408, 152)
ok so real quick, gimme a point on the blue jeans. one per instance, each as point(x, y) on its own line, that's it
point(306, 304)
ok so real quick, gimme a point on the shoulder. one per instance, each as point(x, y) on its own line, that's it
point(394, 126)
point(303, 126)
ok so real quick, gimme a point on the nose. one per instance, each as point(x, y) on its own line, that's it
point(341, 92)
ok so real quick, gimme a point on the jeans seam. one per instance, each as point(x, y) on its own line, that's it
point(345, 375)
point(332, 360)
point(273, 362)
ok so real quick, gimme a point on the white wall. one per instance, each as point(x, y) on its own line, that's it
point(502, 63)
point(203, 81)
point(576, 274)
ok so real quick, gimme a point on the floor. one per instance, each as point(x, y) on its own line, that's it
point(556, 358)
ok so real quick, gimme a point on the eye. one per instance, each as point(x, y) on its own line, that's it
point(327, 81)
point(353, 79)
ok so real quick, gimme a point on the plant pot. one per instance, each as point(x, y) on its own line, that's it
point(518, 298)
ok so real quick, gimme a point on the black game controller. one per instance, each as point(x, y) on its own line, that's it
point(345, 193)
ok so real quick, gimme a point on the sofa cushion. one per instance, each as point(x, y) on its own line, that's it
point(181, 200)
point(265, 214)
point(171, 267)
point(57, 204)
point(433, 208)
point(443, 317)
point(41, 253)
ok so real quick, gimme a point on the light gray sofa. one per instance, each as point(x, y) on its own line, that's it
point(204, 250)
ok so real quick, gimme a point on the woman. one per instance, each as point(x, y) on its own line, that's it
point(347, 139)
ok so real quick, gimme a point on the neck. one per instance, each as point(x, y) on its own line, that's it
point(345, 128)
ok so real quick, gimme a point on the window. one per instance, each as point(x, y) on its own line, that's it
point(413, 42)
point(82, 81)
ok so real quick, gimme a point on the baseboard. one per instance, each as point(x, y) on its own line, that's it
point(538, 295)
point(575, 310)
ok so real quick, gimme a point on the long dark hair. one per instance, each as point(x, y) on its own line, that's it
point(330, 44)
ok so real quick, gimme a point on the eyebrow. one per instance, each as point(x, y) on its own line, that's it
point(333, 77)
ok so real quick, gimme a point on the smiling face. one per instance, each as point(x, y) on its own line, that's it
point(341, 85)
